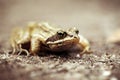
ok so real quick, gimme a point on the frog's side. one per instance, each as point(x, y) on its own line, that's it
point(38, 37)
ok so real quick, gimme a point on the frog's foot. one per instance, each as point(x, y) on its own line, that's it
point(22, 50)
point(86, 51)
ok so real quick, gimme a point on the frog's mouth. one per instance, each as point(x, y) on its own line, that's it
point(65, 40)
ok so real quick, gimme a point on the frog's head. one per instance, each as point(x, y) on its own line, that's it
point(63, 40)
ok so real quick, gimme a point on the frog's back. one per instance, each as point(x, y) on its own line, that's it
point(43, 31)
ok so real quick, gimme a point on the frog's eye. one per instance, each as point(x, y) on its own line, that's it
point(61, 34)
point(77, 31)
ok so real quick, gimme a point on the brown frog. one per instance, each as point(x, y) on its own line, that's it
point(39, 37)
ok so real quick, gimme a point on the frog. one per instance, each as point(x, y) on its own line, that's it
point(37, 37)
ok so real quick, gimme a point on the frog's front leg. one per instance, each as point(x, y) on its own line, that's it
point(78, 50)
point(35, 46)
point(84, 45)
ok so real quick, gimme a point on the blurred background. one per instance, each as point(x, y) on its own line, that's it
point(92, 17)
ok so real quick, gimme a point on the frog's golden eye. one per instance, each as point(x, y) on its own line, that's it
point(61, 34)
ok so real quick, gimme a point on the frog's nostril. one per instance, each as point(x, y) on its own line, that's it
point(75, 36)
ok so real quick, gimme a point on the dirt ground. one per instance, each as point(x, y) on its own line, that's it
point(95, 19)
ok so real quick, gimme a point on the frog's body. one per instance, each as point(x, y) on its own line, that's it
point(38, 37)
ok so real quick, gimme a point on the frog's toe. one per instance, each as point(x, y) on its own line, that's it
point(24, 50)
point(13, 51)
